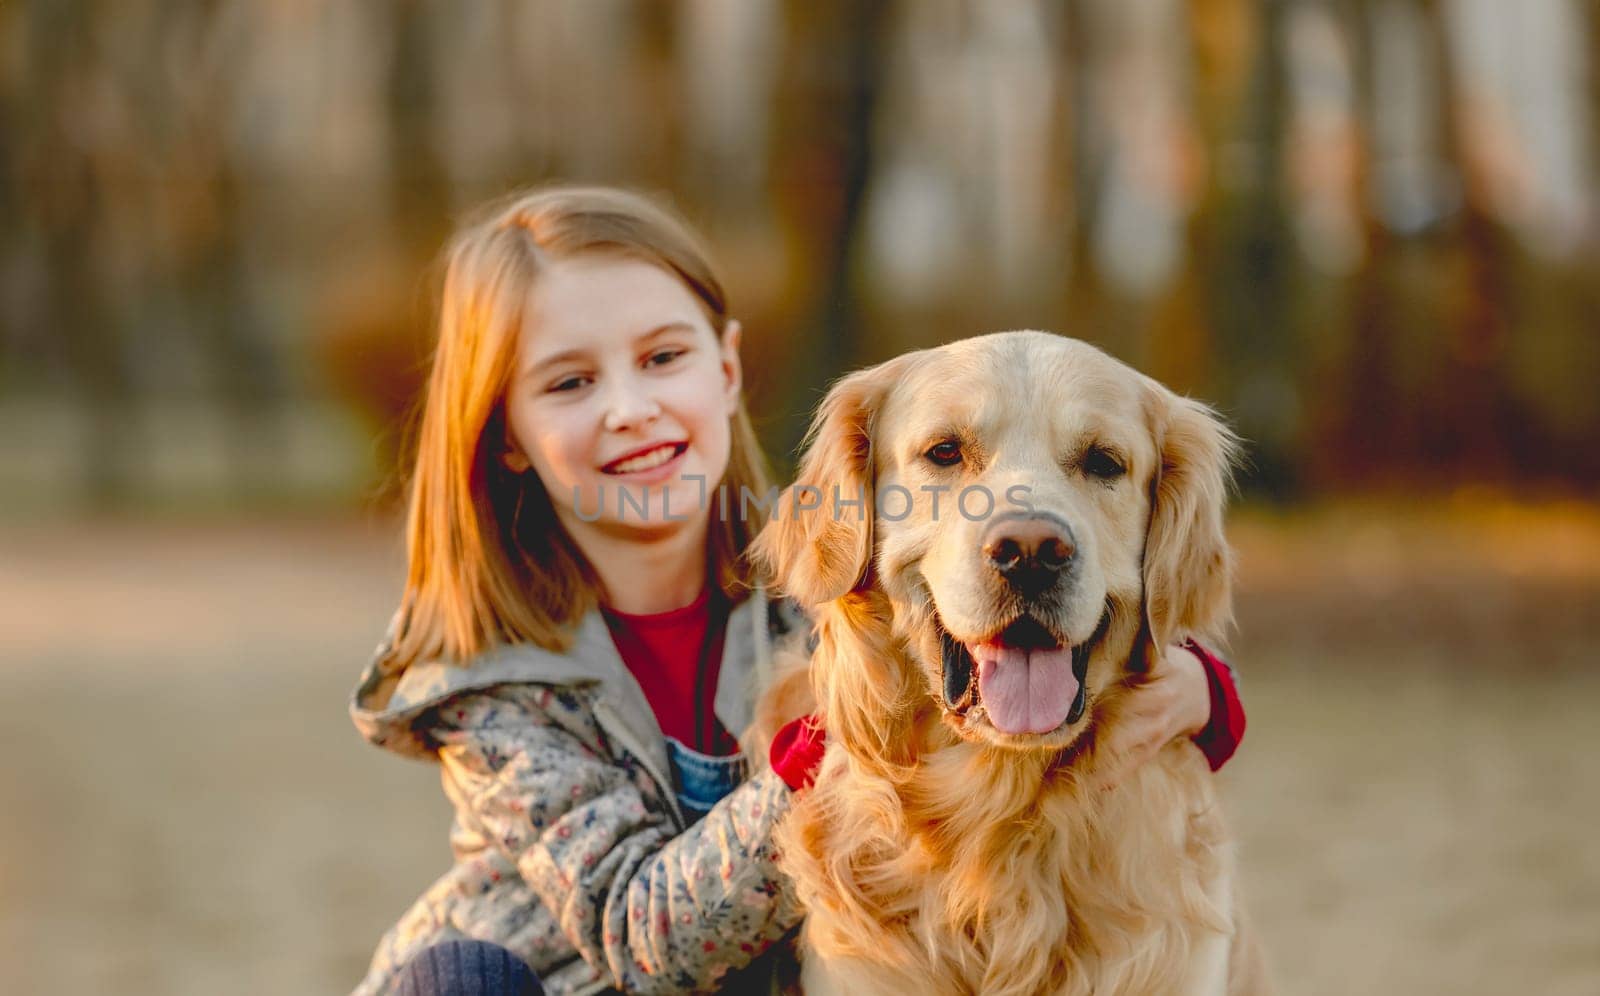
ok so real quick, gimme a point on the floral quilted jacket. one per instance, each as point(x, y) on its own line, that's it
point(570, 848)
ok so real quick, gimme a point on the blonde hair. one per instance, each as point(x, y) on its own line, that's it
point(481, 539)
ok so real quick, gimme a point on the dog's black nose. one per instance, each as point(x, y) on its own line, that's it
point(1030, 552)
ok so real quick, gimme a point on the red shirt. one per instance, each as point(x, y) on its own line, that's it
point(676, 657)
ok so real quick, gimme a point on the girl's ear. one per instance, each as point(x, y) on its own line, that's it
point(512, 456)
point(732, 370)
point(515, 460)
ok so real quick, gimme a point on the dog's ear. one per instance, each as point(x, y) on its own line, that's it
point(818, 544)
point(1188, 566)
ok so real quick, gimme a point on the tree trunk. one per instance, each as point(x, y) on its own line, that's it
point(1470, 436)
point(823, 162)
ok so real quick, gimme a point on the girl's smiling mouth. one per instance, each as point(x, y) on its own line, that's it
point(648, 458)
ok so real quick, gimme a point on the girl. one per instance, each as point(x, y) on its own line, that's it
point(580, 639)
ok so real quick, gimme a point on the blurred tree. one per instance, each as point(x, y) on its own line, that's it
point(375, 336)
point(1183, 348)
point(826, 98)
point(417, 181)
point(1084, 295)
point(1248, 267)
point(1469, 402)
point(242, 367)
point(1362, 425)
point(64, 214)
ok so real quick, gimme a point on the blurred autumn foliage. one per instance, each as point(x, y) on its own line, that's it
point(1366, 229)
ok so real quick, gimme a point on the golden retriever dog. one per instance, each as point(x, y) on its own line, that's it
point(993, 537)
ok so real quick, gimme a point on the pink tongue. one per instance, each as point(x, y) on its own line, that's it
point(1025, 691)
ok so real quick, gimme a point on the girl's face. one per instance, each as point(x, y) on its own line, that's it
point(622, 393)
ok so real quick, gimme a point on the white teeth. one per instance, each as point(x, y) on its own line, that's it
point(644, 461)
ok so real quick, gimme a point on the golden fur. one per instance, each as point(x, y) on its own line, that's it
point(937, 854)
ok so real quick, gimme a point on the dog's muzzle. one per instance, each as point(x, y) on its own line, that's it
point(960, 671)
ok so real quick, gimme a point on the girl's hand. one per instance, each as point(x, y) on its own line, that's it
point(1173, 701)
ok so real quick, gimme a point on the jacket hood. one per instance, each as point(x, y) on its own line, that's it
point(387, 703)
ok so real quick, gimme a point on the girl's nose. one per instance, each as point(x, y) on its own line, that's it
point(627, 407)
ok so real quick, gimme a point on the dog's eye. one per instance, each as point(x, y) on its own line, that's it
point(945, 454)
point(1100, 463)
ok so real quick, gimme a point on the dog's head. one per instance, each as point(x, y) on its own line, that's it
point(998, 528)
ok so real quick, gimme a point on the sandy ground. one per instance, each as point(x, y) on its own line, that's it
point(187, 809)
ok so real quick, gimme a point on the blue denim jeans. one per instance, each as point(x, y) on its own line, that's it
point(701, 780)
point(467, 968)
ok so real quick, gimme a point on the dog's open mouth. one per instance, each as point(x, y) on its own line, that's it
point(1023, 678)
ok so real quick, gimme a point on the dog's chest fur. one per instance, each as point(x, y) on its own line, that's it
point(985, 872)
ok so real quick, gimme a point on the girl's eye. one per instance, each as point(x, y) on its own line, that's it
point(1100, 463)
point(568, 383)
point(945, 454)
point(662, 357)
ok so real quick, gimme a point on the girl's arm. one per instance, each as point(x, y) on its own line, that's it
point(1224, 728)
point(657, 910)
point(1189, 692)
